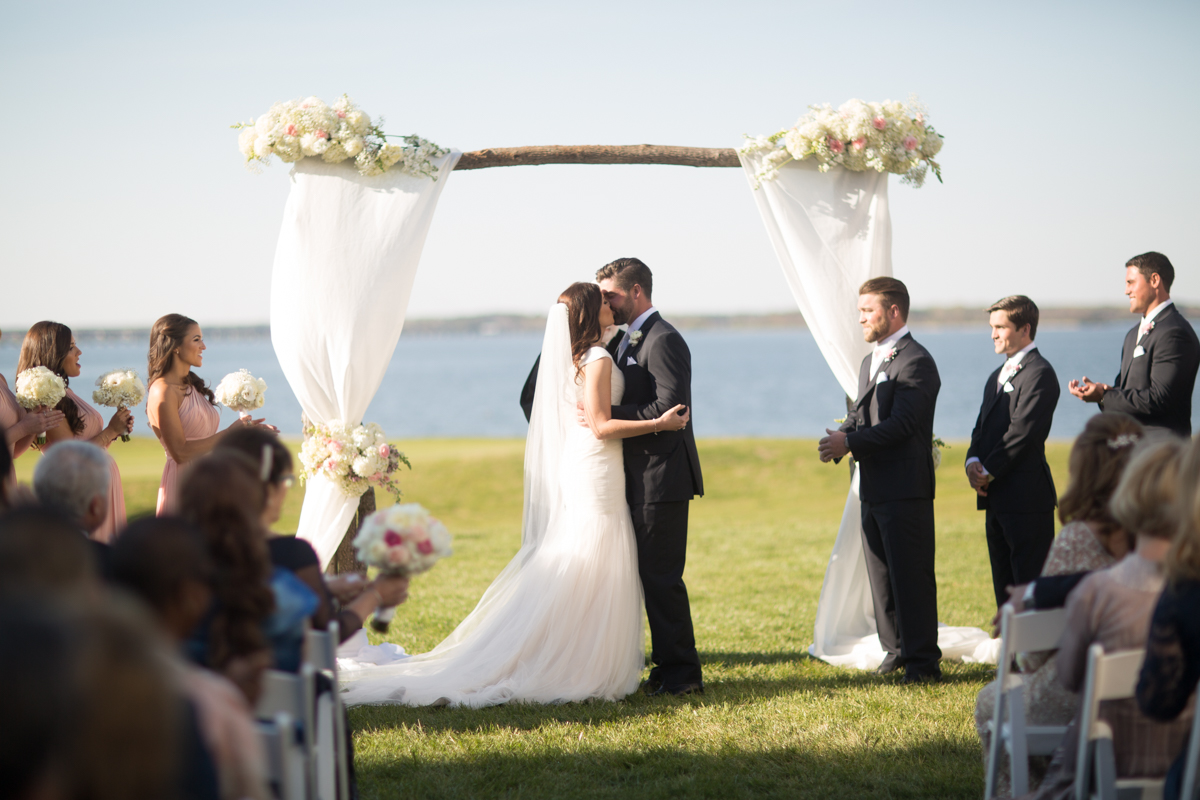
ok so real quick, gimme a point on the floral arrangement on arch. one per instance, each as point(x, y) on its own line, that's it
point(886, 137)
point(352, 458)
point(309, 128)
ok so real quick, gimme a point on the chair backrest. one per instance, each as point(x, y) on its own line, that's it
point(320, 648)
point(285, 760)
point(1111, 676)
point(1191, 765)
point(1031, 631)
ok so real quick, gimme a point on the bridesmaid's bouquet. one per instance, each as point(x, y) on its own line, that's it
point(121, 388)
point(242, 392)
point(401, 540)
point(353, 459)
point(39, 387)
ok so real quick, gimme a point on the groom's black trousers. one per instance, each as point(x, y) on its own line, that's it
point(898, 543)
point(661, 533)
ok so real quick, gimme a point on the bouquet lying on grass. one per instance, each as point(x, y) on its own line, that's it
point(39, 387)
point(353, 459)
point(121, 388)
point(242, 392)
point(401, 540)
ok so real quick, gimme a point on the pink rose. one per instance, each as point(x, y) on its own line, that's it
point(880, 123)
point(322, 135)
point(910, 143)
point(398, 556)
point(335, 446)
point(425, 547)
point(378, 477)
point(341, 114)
point(291, 129)
point(391, 539)
point(859, 143)
point(329, 465)
point(835, 145)
point(384, 450)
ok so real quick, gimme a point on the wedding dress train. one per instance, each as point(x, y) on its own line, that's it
point(563, 621)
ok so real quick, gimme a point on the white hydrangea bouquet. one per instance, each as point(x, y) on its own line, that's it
point(402, 540)
point(352, 458)
point(242, 392)
point(121, 388)
point(38, 386)
point(858, 136)
point(308, 128)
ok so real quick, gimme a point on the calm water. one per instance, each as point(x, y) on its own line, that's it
point(747, 383)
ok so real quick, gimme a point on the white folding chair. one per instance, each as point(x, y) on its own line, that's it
point(320, 650)
point(285, 758)
point(294, 695)
point(1109, 677)
point(1193, 760)
point(1028, 632)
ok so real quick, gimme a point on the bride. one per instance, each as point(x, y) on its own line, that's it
point(563, 621)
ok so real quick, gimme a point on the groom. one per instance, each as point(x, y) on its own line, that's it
point(662, 471)
point(890, 432)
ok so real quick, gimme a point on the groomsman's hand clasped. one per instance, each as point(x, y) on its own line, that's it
point(1088, 390)
point(832, 446)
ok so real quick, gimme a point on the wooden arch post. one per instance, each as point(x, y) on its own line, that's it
point(343, 560)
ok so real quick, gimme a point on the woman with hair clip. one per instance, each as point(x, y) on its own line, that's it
point(52, 345)
point(347, 599)
point(563, 621)
point(182, 410)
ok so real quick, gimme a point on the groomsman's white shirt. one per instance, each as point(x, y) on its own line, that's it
point(882, 348)
point(1007, 371)
point(633, 326)
point(1144, 325)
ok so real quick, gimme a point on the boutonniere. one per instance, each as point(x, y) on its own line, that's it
point(634, 338)
point(890, 355)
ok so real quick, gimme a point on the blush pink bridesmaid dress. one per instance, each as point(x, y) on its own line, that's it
point(93, 423)
point(10, 412)
point(199, 420)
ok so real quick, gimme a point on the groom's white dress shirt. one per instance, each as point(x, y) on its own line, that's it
point(883, 348)
point(633, 326)
point(1006, 372)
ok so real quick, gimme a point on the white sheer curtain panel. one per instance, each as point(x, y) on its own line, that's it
point(344, 268)
point(831, 232)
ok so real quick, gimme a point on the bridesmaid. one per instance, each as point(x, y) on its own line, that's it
point(52, 345)
point(20, 426)
point(181, 408)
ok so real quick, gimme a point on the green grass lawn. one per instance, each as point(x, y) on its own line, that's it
point(772, 723)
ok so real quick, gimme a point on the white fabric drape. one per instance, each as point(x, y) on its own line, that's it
point(831, 232)
point(344, 268)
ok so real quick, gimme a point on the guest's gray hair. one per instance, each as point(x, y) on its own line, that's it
point(69, 475)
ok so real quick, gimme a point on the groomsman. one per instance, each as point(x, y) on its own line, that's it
point(890, 433)
point(1006, 463)
point(1159, 358)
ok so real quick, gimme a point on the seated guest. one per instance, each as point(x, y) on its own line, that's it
point(41, 550)
point(163, 561)
point(1172, 667)
point(357, 598)
point(1112, 608)
point(74, 478)
point(1090, 540)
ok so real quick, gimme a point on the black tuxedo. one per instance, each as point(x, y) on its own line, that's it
point(890, 433)
point(1010, 441)
point(662, 474)
point(1155, 388)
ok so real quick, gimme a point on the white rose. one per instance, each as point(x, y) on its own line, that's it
point(246, 141)
point(263, 147)
point(306, 144)
point(353, 146)
point(359, 122)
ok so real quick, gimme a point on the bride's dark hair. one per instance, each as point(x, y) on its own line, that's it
point(583, 301)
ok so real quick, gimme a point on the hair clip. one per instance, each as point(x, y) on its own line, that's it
point(1124, 440)
point(268, 461)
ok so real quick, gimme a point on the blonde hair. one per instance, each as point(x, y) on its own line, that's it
point(1183, 560)
point(1145, 499)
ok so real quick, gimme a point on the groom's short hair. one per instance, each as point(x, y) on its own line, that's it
point(625, 272)
point(1152, 262)
point(1021, 311)
point(891, 291)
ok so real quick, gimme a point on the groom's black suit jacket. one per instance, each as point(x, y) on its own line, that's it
point(1010, 438)
point(1155, 388)
point(890, 429)
point(662, 467)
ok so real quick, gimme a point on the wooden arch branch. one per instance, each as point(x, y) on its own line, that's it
point(599, 154)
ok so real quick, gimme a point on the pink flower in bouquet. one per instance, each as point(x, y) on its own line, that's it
point(391, 539)
point(291, 130)
point(378, 477)
point(335, 445)
point(398, 556)
point(384, 450)
point(859, 143)
point(424, 547)
point(341, 114)
point(329, 465)
point(880, 123)
point(322, 135)
point(835, 145)
point(910, 143)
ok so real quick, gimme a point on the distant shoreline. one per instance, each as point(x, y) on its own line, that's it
point(493, 324)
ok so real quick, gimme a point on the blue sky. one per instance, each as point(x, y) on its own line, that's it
point(1068, 144)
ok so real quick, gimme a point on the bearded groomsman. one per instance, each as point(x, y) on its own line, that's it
point(890, 433)
point(1006, 463)
point(1159, 358)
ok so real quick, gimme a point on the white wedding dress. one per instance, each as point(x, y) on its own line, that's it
point(563, 621)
